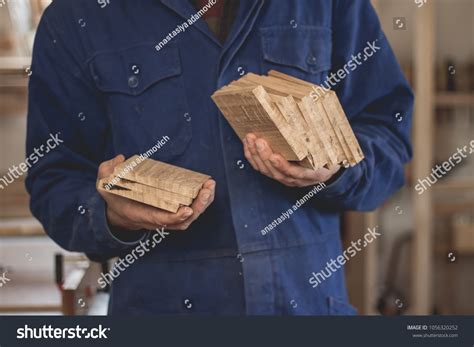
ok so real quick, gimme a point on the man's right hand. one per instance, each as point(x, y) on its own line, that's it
point(132, 215)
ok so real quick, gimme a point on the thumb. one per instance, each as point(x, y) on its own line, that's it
point(106, 168)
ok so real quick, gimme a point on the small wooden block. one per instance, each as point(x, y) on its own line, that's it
point(140, 197)
point(159, 193)
point(161, 175)
point(250, 110)
point(154, 183)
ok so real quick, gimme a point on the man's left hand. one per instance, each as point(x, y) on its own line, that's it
point(263, 159)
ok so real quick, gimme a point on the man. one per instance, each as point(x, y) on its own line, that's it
point(113, 78)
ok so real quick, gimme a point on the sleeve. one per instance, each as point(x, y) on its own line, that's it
point(68, 136)
point(378, 103)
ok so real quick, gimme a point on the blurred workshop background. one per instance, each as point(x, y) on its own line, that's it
point(422, 264)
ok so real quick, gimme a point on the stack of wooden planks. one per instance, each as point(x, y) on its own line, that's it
point(296, 122)
point(154, 183)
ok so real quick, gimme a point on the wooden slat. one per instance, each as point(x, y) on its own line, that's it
point(154, 183)
point(21, 227)
point(280, 109)
point(163, 176)
point(79, 286)
point(454, 99)
point(422, 162)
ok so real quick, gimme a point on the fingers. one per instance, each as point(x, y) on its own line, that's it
point(255, 159)
point(248, 155)
point(258, 153)
point(200, 204)
point(133, 215)
point(106, 168)
point(180, 220)
point(289, 169)
point(204, 198)
point(162, 217)
point(265, 153)
point(261, 157)
point(301, 174)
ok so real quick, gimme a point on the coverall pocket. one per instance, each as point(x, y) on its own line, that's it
point(144, 98)
point(304, 52)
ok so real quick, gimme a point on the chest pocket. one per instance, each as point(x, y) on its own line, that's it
point(145, 99)
point(304, 51)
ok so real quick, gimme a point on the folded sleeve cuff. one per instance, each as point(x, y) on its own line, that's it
point(112, 238)
point(343, 183)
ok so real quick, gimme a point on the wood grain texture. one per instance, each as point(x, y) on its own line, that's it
point(161, 175)
point(154, 183)
point(144, 198)
point(159, 193)
point(282, 109)
point(251, 110)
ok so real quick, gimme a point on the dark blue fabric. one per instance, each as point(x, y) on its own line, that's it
point(85, 86)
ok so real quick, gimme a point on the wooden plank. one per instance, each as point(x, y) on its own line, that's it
point(79, 286)
point(159, 193)
point(339, 119)
point(312, 114)
point(162, 175)
point(463, 238)
point(298, 127)
point(28, 226)
point(422, 273)
point(247, 112)
point(280, 108)
point(141, 197)
point(297, 148)
point(362, 271)
point(153, 183)
point(29, 308)
point(370, 266)
point(454, 99)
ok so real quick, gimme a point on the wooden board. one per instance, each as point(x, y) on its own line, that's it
point(154, 183)
point(144, 198)
point(163, 176)
point(249, 111)
point(282, 110)
point(159, 193)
